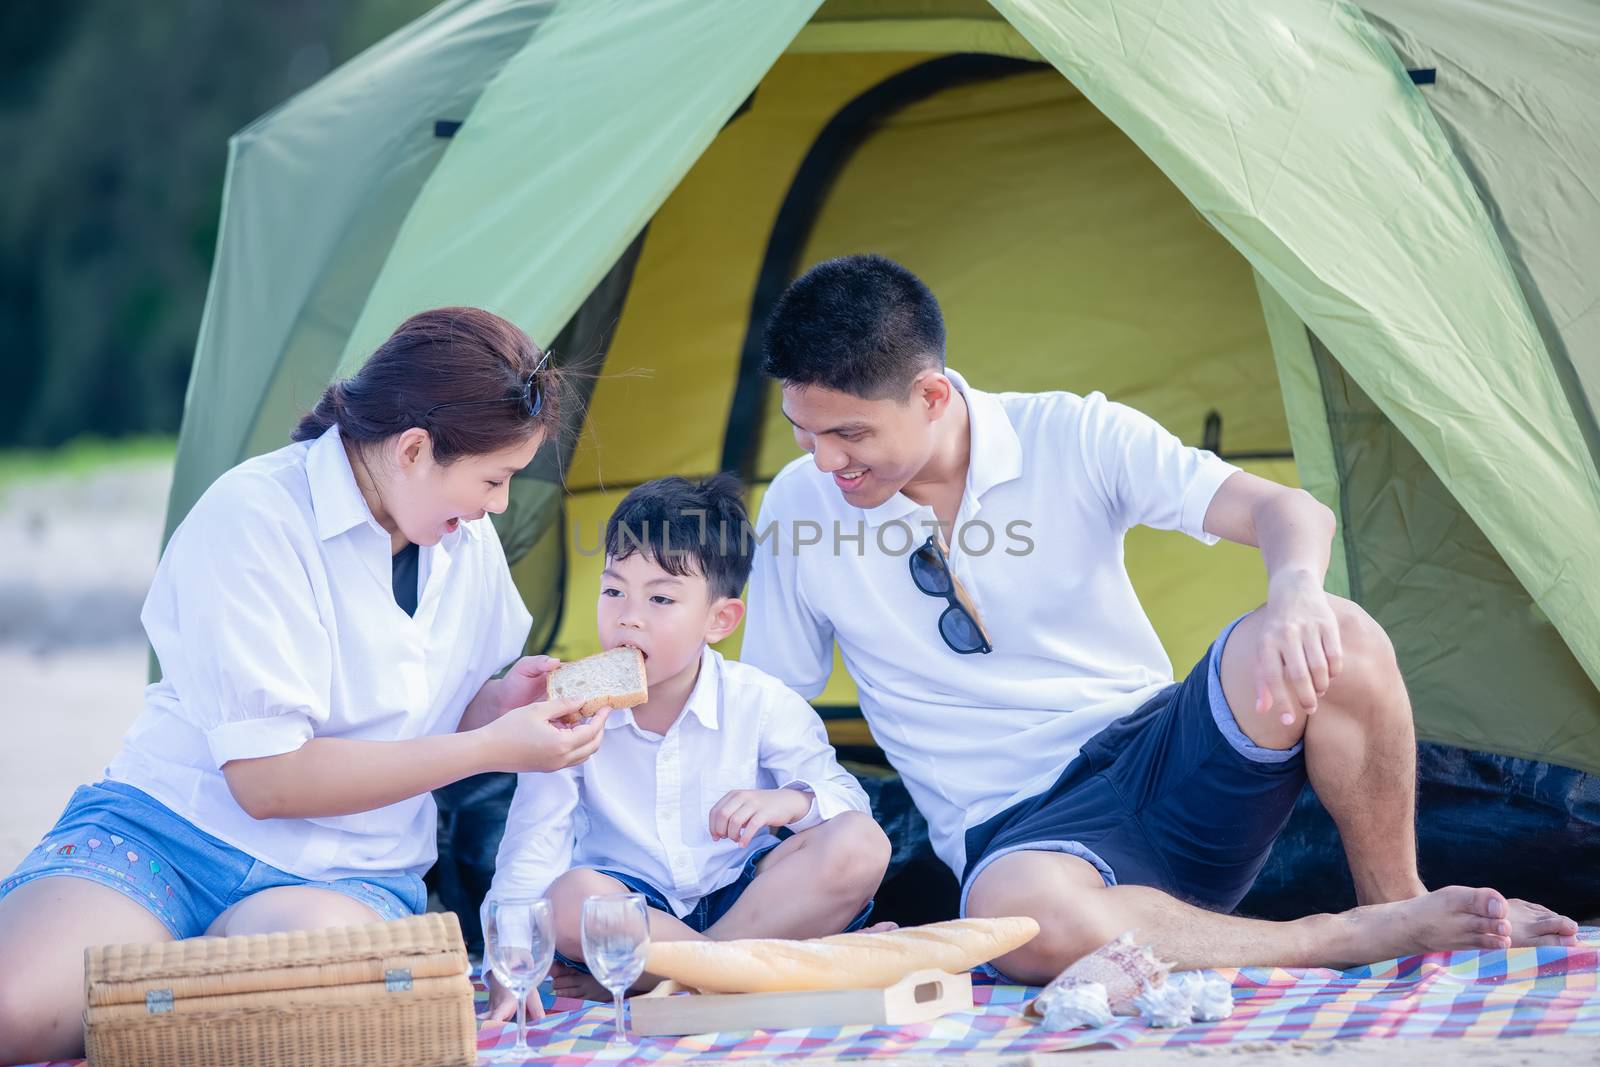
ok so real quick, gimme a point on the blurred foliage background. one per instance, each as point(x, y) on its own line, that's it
point(115, 117)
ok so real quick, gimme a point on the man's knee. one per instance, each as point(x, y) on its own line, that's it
point(1369, 676)
point(852, 854)
point(1071, 921)
point(1365, 644)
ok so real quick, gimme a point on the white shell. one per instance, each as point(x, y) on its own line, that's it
point(1073, 1006)
point(1211, 997)
point(1165, 1005)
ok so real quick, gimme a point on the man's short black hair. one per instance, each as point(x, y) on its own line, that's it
point(687, 528)
point(862, 325)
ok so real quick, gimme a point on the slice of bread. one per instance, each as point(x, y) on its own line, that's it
point(612, 679)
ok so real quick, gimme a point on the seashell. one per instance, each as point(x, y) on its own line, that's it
point(1080, 1005)
point(1123, 967)
point(1166, 1005)
point(1211, 996)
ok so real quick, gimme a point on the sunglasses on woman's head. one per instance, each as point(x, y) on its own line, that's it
point(960, 626)
point(531, 398)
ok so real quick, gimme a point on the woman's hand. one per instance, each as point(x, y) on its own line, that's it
point(503, 1004)
point(527, 681)
point(530, 739)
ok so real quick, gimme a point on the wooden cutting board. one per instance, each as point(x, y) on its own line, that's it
point(915, 998)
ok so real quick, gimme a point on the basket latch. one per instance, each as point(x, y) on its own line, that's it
point(158, 1001)
point(397, 980)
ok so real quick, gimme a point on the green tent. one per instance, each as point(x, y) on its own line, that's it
point(1353, 246)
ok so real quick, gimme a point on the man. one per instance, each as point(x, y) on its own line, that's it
point(970, 568)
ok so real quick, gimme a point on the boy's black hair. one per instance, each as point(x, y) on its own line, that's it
point(687, 528)
point(862, 325)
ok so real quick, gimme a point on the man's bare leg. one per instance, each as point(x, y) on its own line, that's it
point(1078, 913)
point(1361, 758)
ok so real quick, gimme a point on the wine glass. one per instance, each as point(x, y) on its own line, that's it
point(616, 935)
point(518, 945)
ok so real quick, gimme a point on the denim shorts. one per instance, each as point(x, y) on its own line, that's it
point(712, 907)
point(1173, 796)
point(125, 839)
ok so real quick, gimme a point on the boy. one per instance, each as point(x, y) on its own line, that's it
point(680, 802)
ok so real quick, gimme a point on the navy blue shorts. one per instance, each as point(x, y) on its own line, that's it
point(1173, 796)
point(712, 907)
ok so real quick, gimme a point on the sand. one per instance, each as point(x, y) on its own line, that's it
point(79, 556)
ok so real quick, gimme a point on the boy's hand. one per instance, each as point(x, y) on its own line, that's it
point(503, 1005)
point(530, 739)
point(743, 813)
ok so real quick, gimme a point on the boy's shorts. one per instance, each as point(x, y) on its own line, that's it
point(711, 908)
point(123, 838)
point(1173, 796)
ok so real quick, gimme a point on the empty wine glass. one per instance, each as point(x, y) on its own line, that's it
point(518, 945)
point(616, 934)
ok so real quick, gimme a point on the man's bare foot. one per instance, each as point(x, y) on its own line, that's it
point(880, 928)
point(575, 984)
point(1535, 924)
point(1444, 920)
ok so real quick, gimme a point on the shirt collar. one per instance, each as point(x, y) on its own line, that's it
point(705, 699)
point(335, 497)
point(994, 456)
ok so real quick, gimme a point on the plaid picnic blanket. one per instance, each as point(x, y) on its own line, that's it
point(1517, 993)
point(1522, 992)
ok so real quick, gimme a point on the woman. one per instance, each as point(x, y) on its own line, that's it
point(329, 620)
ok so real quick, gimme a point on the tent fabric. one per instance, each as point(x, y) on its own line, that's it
point(1097, 219)
point(1399, 272)
point(1258, 230)
point(315, 190)
point(612, 101)
point(1516, 89)
point(1474, 647)
point(1306, 412)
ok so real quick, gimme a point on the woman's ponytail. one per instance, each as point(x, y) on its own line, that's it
point(315, 423)
point(470, 378)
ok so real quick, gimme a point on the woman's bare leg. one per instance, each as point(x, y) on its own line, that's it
point(45, 925)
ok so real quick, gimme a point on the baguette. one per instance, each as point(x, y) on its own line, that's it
point(613, 679)
point(843, 961)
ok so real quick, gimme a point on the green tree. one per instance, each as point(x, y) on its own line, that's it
point(115, 116)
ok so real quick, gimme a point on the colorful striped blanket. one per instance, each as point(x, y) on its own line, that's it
point(1522, 992)
point(1516, 993)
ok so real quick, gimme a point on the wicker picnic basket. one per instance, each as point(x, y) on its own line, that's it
point(393, 994)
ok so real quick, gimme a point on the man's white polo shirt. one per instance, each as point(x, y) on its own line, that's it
point(1054, 483)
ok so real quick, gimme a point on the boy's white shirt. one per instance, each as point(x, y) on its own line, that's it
point(641, 805)
point(274, 619)
point(972, 735)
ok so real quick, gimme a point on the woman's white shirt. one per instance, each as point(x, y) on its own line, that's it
point(274, 619)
